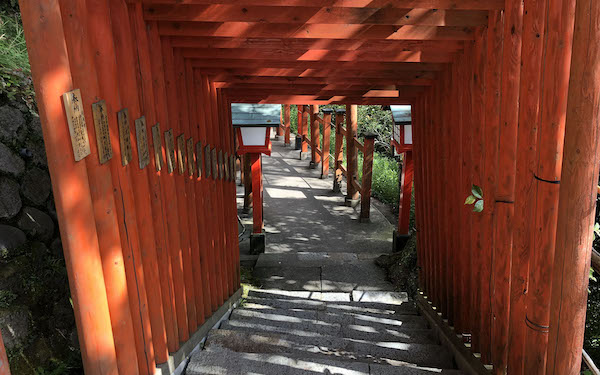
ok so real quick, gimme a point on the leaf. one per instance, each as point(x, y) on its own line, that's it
point(596, 230)
point(592, 277)
point(477, 192)
point(470, 199)
point(478, 206)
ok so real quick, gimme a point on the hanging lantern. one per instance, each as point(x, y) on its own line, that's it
point(253, 123)
point(402, 128)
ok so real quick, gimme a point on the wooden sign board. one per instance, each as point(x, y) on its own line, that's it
point(124, 139)
point(226, 165)
point(190, 151)
point(215, 166)
point(141, 133)
point(77, 127)
point(170, 150)
point(207, 161)
point(181, 153)
point(157, 143)
point(105, 152)
point(199, 164)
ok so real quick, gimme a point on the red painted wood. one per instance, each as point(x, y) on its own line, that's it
point(257, 215)
point(100, 180)
point(406, 193)
point(326, 145)
point(578, 194)
point(351, 151)
point(286, 123)
point(47, 50)
point(315, 141)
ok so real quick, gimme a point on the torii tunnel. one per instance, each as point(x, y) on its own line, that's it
point(504, 94)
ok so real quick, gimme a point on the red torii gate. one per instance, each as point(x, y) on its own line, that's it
point(505, 95)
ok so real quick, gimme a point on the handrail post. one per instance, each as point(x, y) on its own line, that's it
point(339, 150)
point(326, 142)
point(314, 136)
point(367, 178)
point(286, 124)
point(351, 153)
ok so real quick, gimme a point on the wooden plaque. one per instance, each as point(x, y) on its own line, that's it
point(181, 153)
point(226, 165)
point(124, 139)
point(77, 127)
point(207, 162)
point(190, 152)
point(141, 133)
point(199, 165)
point(170, 150)
point(157, 143)
point(105, 152)
point(215, 166)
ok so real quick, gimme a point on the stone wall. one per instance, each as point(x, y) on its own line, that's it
point(36, 317)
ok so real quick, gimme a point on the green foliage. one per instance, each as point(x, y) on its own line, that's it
point(15, 75)
point(6, 298)
point(476, 197)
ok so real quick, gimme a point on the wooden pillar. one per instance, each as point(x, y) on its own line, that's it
point(351, 152)
point(47, 51)
point(578, 193)
point(4, 366)
point(491, 134)
point(339, 150)
point(286, 124)
point(326, 143)
point(303, 130)
point(257, 212)
point(248, 200)
point(367, 178)
point(477, 178)
point(406, 181)
point(315, 138)
point(505, 188)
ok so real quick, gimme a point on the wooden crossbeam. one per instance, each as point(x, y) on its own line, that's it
point(329, 81)
point(312, 99)
point(317, 55)
point(319, 31)
point(308, 65)
point(304, 90)
point(222, 74)
point(391, 4)
point(323, 44)
point(316, 15)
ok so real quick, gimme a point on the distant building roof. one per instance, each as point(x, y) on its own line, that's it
point(401, 114)
point(255, 114)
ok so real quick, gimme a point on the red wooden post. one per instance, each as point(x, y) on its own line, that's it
point(578, 193)
point(4, 366)
point(257, 239)
point(491, 134)
point(351, 153)
point(248, 200)
point(338, 157)
point(406, 181)
point(367, 178)
point(326, 142)
point(315, 140)
point(304, 129)
point(299, 141)
point(47, 51)
point(286, 122)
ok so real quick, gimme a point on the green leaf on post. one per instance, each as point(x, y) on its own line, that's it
point(477, 192)
point(470, 199)
point(478, 206)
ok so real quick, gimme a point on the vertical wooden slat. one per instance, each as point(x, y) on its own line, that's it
point(406, 183)
point(367, 177)
point(100, 179)
point(257, 225)
point(175, 222)
point(326, 144)
point(47, 53)
point(339, 152)
point(286, 123)
point(351, 152)
point(578, 194)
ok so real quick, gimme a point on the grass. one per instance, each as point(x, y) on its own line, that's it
point(13, 51)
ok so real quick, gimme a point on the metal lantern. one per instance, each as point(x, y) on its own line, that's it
point(253, 123)
point(402, 129)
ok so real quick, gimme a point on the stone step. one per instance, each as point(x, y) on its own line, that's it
point(226, 362)
point(345, 308)
point(422, 336)
point(381, 298)
point(372, 352)
point(320, 318)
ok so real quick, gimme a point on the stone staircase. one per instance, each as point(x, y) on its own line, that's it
point(276, 332)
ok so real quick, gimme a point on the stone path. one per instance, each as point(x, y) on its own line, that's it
point(323, 306)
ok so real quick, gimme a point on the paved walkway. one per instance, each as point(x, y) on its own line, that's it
point(315, 242)
point(323, 306)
